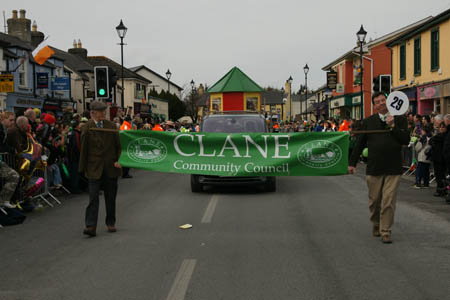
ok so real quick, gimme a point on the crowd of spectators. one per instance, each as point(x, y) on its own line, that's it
point(48, 143)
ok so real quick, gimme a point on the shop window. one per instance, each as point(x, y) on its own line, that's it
point(417, 56)
point(435, 50)
point(402, 62)
point(216, 104)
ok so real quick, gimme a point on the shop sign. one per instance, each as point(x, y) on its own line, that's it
point(6, 83)
point(331, 80)
point(41, 80)
point(356, 100)
point(430, 92)
point(60, 83)
point(28, 102)
point(338, 102)
point(339, 88)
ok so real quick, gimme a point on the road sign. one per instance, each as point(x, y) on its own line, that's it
point(6, 83)
point(397, 103)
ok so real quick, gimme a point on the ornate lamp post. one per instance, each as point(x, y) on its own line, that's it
point(306, 70)
point(168, 75)
point(122, 31)
point(361, 34)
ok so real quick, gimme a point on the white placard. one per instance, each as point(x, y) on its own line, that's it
point(397, 103)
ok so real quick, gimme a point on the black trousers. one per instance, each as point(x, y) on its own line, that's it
point(439, 173)
point(109, 185)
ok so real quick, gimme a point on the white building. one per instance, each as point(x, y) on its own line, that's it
point(159, 82)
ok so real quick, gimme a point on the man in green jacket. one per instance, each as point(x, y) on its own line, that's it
point(384, 166)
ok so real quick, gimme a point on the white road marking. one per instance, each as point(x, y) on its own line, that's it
point(209, 212)
point(181, 283)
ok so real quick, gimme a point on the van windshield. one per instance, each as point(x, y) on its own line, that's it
point(234, 124)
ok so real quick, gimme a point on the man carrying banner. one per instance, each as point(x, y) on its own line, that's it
point(100, 152)
point(384, 167)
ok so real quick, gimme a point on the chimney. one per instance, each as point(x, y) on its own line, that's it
point(20, 27)
point(36, 36)
point(201, 89)
point(78, 50)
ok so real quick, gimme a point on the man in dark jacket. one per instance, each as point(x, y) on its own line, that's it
point(384, 166)
point(100, 152)
point(437, 154)
point(446, 148)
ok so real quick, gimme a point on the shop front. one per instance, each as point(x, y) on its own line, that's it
point(445, 100)
point(429, 99)
point(338, 109)
point(356, 107)
point(411, 93)
point(18, 103)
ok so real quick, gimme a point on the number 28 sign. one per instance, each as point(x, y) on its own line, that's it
point(397, 103)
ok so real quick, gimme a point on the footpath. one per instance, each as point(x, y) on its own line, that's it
point(421, 198)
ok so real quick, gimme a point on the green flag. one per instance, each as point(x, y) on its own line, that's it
point(237, 154)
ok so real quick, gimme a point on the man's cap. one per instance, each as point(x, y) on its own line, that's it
point(97, 105)
point(84, 119)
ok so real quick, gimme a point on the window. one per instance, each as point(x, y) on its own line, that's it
point(402, 62)
point(139, 92)
point(22, 75)
point(434, 49)
point(417, 56)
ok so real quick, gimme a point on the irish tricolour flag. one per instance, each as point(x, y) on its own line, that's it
point(42, 53)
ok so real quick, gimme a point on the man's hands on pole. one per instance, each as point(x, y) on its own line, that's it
point(351, 170)
point(117, 165)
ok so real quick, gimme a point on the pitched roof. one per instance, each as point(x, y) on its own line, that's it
point(235, 81)
point(15, 42)
point(74, 62)
point(416, 30)
point(105, 61)
point(137, 68)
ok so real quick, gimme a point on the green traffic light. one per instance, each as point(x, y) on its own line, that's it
point(101, 92)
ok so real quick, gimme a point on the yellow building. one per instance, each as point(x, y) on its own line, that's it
point(421, 65)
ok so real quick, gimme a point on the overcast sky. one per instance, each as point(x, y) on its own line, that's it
point(203, 39)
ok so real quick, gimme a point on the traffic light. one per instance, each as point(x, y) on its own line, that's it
point(101, 82)
point(385, 84)
point(376, 84)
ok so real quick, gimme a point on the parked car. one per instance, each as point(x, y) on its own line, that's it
point(233, 123)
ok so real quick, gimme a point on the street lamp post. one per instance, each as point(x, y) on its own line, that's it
point(361, 34)
point(122, 31)
point(168, 75)
point(282, 104)
point(306, 70)
point(290, 98)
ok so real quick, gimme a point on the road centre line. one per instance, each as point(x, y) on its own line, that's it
point(181, 283)
point(209, 212)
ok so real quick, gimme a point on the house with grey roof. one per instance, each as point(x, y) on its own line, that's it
point(159, 83)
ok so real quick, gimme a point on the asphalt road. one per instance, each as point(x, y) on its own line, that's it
point(309, 240)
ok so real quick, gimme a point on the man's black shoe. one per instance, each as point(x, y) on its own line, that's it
point(90, 231)
point(127, 176)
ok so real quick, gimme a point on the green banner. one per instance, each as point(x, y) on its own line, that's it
point(237, 154)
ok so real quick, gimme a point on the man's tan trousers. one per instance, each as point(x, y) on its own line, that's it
point(382, 200)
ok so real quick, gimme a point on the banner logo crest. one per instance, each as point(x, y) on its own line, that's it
point(319, 154)
point(147, 150)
